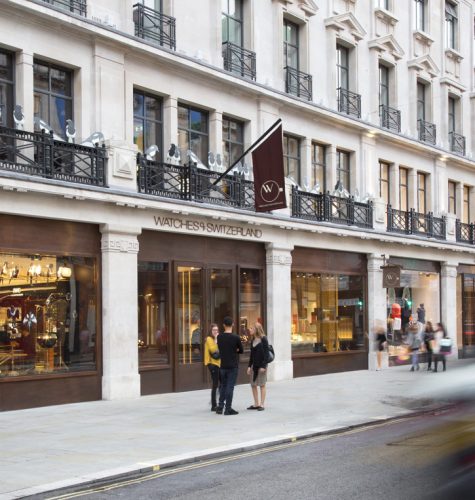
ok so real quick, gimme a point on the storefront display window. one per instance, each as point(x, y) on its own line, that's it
point(250, 304)
point(153, 341)
point(327, 313)
point(468, 314)
point(417, 300)
point(48, 314)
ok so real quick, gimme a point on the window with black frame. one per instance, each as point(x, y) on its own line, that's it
point(343, 174)
point(292, 157)
point(452, 201)
point(383, 85)
point(53, 95)
point(291, 45)
point(233, 140)
point(451, 21)
point(231, 21)
point(148, 121)
point(420, 7)
point(193, 132)
point(466, 205)
point(421, 192)
point(403, 189)
point(319, 166)
point(421, 101)
point(384, 182)
point(6, 88)
point(342, 67)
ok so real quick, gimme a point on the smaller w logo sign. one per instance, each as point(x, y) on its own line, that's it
point(267, 187)
point(270, 191)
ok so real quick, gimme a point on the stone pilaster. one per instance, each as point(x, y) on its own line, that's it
point(376, 306)
point(448, 300)
point(278, 266)
point(120, 378)
point(24, 88)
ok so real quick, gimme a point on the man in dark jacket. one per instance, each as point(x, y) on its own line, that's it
point(230, 346)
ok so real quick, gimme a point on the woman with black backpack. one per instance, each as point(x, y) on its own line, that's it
point(257, 368)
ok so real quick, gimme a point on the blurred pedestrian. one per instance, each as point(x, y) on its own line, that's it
point(381, 343)
point(213, 362)
point(257, 368)
point(439, 336)
point(230, 347)
point(428, 341)
point(414, 343)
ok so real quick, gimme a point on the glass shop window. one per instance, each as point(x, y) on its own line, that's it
point(327, 313)
point(154, 328)
point(250, 304)
point(48, 314)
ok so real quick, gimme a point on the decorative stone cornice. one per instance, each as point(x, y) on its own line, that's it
point(452, 83)
point(346, 24)
point(423, 37)
point(279, 259)
point(386, 16)
point(387, 43)
point(424, 63)
point(309, 7)
point(453, 54)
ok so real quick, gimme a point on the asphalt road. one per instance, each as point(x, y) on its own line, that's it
point(392, 461)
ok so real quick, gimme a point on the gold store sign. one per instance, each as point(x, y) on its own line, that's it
point(207, 227)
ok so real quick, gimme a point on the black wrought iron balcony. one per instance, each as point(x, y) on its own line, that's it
point(154, 26)
point(457, 143)
point(464, 233)
point(390, 118)
point(74, 6)
point(412, 222)
point(349, 102)
point(327, 208)
point(298, 83)
point(188, 182)
point(39, 154)
point(427, 131)
point(239, 60)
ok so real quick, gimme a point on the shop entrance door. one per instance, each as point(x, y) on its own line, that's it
point(203, 295)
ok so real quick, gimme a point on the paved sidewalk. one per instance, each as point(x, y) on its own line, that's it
point(44, 449)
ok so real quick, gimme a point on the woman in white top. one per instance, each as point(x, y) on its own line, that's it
point(439, 334)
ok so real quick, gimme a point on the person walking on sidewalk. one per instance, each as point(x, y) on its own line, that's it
point(439, 334)
point(414, 343)
point(213, 362)
point(381, 343)
point(257, 368)
point(428, 340)
point(230, 346)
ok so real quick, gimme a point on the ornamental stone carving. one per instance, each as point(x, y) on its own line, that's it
point(279, 259)
point(448, 270)
point(119, 245)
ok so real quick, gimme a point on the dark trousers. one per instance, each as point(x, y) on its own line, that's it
point(214, 371)
point(437, 358)
point(226, 390)
point(429, 359)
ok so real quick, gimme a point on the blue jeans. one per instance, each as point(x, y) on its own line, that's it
point(226, 389)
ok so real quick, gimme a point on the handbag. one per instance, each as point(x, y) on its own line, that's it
point(445, 345)
point(271, 355)
point(215, 354)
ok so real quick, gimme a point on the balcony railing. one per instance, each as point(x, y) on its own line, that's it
point(39, 154)
point(464, 233)
point(154, 26)
point(239, 60)
point(75, 6)
point(457, 143)
point(390, 118)
point(191, 183)
point(412, 222)
point(324, 207)
point(349, 102)
point(427, 131)
point(298, 83)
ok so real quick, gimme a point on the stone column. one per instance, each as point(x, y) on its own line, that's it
point(448, 301)
point(216, 133)
point(376, 307)
point(331, 168)
point(170, 131)
point(120, 378)
point(278, 266)
point(412, 189)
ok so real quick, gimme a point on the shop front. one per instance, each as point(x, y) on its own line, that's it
point(186, 283)
point(49, 320)
point(415, 300)
point(328, 311)
point(466, 313)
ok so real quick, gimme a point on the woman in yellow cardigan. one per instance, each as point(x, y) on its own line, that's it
point(212, 361)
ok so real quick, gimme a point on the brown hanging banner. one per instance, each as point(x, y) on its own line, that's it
point(269, 178)
point(391, 276)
